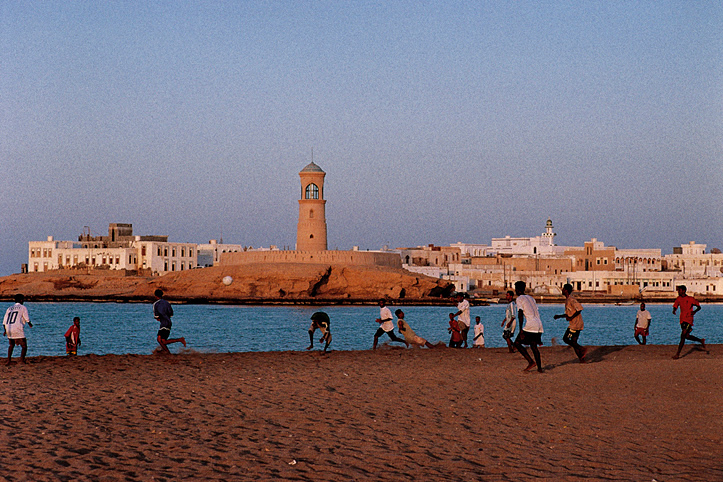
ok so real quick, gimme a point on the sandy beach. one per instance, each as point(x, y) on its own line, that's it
point(631, 414)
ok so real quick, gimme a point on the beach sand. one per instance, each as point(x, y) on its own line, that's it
point(631, 414)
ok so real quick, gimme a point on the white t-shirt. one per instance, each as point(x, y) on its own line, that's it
point(642, 320)
point(479, 330)
point(14, 321)
point(511, 314)
point(533, 323)
point(386, 314)
point(463, 317)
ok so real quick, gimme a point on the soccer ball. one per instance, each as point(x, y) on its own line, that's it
point(227, 280)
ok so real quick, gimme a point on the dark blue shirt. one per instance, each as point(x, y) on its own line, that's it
point(163, 312)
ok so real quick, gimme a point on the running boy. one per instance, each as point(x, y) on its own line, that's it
point(162, 311)
point(386, 325)
point(689, 306)
point(531, 332)
point(573, 314)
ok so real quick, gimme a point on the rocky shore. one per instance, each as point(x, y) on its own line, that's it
point(254, 283)
point(261, 283)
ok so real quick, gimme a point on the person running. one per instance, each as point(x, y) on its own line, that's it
point(162, 311)
point(320, 320)
point(479, 333)
point(463, 316)
point(573, 314)
point(16, 317)
point(386, 325)
point(689, 306)
point(455, 340)
point(72, 338)
point(642, 324)
point(510, 322)
point(410, 337)
point(531, 332)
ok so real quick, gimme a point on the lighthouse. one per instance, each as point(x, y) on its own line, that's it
point(311, 230)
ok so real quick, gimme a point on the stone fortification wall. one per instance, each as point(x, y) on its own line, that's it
point(346, 258)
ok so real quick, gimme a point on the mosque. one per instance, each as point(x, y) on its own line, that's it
point(311, 235)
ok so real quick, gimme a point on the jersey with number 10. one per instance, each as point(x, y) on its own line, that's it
point(14, 322)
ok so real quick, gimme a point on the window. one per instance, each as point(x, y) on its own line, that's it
point(312, 191)
point(183, 253)
point(190, 252)
point(173, 252)
point(165, 251)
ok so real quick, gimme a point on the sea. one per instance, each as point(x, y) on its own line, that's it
point(129, 328)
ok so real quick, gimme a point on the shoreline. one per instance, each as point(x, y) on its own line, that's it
point(632, 413)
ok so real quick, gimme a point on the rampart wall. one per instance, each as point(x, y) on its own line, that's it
point(346, 258)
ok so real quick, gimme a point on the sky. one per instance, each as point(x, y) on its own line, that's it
point(436, 122)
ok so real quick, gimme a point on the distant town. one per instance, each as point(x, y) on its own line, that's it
point(484, 269)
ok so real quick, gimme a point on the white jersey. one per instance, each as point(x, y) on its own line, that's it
point(511, 314)
point(463, 317)
point(479, 335)
point(14, 321)
point(386, 314)
point(528, 306)
point(642, 320)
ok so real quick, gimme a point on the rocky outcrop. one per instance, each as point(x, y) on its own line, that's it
point(263, 282)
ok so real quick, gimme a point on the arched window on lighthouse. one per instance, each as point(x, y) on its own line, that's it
point(312, 191)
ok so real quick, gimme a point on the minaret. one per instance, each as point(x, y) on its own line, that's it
point(548, 234)
point(311, 230)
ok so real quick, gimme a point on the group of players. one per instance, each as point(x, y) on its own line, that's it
point(523, 308)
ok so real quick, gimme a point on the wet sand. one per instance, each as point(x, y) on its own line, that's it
point(631, 414)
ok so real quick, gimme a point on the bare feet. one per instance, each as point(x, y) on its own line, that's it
point(702, 343)
point(676, 356)
point(530, 367)
point(183, 340)
point(584, 354)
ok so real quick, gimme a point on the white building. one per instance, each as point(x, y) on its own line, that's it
point(120, 250)
point(210, 254)
point(692, 261)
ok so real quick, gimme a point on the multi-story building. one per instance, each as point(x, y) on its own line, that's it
point(692, 261)
point(120, 250)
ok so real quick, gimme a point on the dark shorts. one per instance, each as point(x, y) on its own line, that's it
point(529, 338)
point(16, 341)
point(507, 334)
point(381, 331)
point(164, 333)
point(686, 327)
point(571, 336)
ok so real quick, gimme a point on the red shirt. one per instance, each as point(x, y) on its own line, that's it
point(456, 332)
point(686, 304)
point(75, 331)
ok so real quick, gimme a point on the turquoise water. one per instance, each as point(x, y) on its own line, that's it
point(122, 328)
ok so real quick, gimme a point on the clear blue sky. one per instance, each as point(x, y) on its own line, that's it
point(435, 122)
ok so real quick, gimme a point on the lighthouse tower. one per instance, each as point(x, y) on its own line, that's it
point(311, 230)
